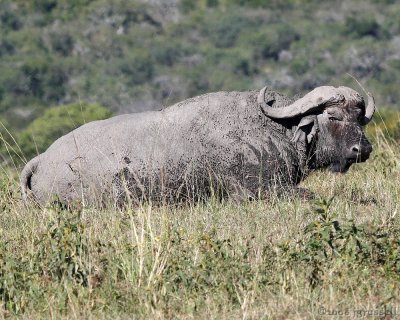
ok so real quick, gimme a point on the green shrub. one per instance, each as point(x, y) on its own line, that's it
point(167, 52)
point(224, 31)
point(62, 43)
point(6, 47)
point(392, 22)
point(188, 5)
point(63, 249)
point(138, 68)
point(270, 4)
point(212, 3)
point(37, 78)
point(362, 26)
point(268, 42)
point(299, 65)
point(61, 258)
point(329, 242)
point(9, 18)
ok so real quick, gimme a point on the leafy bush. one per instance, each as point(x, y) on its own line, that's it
point(9, 19)
point(329, 242)
point(167, 52)
point(362, 26)
point(299, 65)
point(223, 31)
point(63, 250)
point(45, 5)
point(271, 4)
point(188, 5)
point(62, 43)
point(6, 47)
point(268, 42)
point(36, 79)
point(61, 257)
point(138, 68)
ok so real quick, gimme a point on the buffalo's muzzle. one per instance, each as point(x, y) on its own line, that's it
point(359, 152)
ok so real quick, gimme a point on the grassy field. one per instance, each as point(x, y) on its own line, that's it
point(285, 258)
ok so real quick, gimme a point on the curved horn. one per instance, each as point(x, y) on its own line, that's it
point(261, 96)
point(369, 112)
point(316, 99)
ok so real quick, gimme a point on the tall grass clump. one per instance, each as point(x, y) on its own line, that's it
point(284, 257)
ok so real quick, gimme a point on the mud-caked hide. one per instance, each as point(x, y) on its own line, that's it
point(230, 143)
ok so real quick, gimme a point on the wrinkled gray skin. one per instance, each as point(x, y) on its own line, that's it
point(222, 141)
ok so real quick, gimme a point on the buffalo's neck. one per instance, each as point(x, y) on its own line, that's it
point(307, 154)
point(281, 133)
point(305, 151)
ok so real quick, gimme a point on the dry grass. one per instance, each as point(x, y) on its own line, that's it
point(216, 260)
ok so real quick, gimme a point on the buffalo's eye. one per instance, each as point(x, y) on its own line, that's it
point(333, 118)
point(334, 115)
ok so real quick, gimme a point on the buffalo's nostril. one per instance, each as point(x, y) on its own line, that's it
point(360, 152)
point(355, 149)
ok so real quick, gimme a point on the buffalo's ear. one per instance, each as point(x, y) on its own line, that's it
point(306, 129)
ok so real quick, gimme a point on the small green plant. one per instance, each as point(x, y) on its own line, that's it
point(61, 257)
point(63, 249)
point(328, 242)
point(17, 285)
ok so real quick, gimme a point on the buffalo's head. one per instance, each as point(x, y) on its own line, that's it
point(329, 121)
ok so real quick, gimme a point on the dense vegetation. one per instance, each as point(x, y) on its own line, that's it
point(67, 62)
point(136, 55)
point(283, 258)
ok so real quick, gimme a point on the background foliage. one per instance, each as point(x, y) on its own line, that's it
point(67, 62)
point(138, 55)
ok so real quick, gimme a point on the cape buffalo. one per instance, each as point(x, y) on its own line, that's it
point(243, 143)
